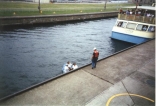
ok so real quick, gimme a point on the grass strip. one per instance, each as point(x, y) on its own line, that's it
point(31, 9)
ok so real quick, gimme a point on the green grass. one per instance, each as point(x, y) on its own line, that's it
point(30, 9)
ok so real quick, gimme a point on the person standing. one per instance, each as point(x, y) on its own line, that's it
point(121, 11)
point(95, 58)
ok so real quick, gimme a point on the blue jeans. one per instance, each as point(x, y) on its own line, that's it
point(94, 61)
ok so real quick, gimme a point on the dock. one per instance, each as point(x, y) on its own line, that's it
point(126, 78)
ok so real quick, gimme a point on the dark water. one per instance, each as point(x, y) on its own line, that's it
point(31, 55)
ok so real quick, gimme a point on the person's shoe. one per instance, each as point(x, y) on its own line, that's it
point(92, 67)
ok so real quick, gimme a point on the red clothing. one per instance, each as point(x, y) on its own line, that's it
point(95, 54)
point(121, 11)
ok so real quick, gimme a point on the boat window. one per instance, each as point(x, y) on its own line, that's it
point(151, 29)
point(131, 25)
point(121, 24)
point(124, 24)
point(144, 28)
point(141, 27)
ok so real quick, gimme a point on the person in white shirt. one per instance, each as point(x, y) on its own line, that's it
point(139, 12)
point(144, 28)
point(74, 66)
point(69, 64)
point(66, 69)
point(152, 29)
point(148, 14)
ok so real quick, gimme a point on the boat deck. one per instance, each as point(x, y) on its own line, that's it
point(123, 79)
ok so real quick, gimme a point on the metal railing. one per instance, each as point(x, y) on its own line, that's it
point(144, 19)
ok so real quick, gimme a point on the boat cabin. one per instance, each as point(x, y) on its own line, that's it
point(143, 14)
point(135, 26)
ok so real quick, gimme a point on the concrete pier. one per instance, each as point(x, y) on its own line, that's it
point(123, 79)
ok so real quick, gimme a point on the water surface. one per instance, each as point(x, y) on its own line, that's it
point(31, 55)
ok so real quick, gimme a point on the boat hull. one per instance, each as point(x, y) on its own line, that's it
point(128, 38)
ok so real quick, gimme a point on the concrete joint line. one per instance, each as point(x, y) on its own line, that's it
point(131, 73)
point(127, 91)
point(100, 78)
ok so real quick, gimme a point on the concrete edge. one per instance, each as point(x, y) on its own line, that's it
point(44, 16)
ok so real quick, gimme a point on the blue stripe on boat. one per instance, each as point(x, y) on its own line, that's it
point(128, 38)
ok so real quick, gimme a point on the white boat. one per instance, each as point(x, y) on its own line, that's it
point(135, 28)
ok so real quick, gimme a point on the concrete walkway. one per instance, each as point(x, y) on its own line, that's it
point(124, 79)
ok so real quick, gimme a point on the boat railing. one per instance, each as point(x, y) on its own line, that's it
point(144, 19)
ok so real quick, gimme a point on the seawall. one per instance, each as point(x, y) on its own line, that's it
point(34, 20)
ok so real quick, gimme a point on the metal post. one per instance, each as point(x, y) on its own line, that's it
point(39, 8)
point(136, 3)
